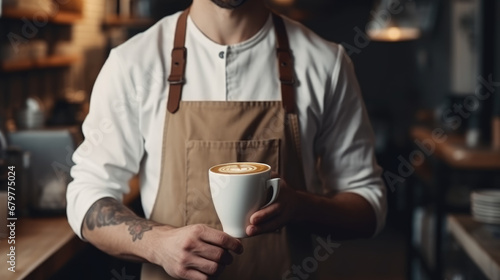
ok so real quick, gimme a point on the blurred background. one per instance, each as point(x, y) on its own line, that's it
point(430, 75)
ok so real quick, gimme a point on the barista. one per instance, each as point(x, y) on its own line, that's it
point(225, 81)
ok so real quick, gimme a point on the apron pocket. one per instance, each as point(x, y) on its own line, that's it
point(201, 155)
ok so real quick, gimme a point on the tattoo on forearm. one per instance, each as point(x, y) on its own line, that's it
point(109, 212)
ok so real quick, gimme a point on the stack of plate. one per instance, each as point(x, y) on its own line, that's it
point(485, 206)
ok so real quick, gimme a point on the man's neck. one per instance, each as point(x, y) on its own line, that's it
point(226, 26)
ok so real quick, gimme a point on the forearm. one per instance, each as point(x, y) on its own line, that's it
point(190, 252)
point(344, 215)
point(116, 230)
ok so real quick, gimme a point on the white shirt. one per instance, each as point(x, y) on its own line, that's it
point(124, 128)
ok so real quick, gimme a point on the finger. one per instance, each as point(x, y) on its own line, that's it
point(193, 274)
point(222, 239)
point(271, 226)
point(266, 214)
point(206, 267)
point(215, 254)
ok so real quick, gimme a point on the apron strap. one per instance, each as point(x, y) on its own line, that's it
point(178, 67)
point(284, 54)
point(285, 65)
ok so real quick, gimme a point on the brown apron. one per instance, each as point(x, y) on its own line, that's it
point(198, 135)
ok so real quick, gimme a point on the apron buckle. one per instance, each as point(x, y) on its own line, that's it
point(179, 53)
point(178, 65)
point(176, 80)
point(290, 81)
point(285, 61)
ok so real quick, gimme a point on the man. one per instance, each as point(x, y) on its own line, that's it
point(235, 92)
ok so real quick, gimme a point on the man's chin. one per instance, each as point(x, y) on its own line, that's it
point(229, 4)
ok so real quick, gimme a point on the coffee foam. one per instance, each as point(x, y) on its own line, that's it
point(239, 168)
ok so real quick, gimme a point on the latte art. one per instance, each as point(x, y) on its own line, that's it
point(240, 168)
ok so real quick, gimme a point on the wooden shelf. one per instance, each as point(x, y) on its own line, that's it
point(456, 154)
point(117, 21)
point(66, 18)
point(478, 242)
point(29, 64)
point(61, 17)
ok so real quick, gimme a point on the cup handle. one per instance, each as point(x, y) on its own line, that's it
point(275, 184)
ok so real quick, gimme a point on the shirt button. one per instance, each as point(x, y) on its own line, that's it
point(221, 55)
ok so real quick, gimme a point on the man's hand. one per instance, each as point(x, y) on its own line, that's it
point(195, 251)
point(190, 252)
point(344, 215)
point(276, 215)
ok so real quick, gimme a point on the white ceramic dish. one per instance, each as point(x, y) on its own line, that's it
point(488, 196)
point(486, 213)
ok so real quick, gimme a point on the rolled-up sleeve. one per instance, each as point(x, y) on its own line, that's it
point(113, 147)
point(346, 142)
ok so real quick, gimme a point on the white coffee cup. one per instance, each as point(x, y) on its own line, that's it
point(238, 190)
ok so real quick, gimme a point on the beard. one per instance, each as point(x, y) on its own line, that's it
point(229, 4)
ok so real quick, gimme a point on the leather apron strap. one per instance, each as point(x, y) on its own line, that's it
point(285, 64)
point(178, 67)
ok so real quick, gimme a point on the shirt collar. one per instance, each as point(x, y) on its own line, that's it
point(194, 31)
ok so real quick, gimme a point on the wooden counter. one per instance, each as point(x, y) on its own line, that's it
point(478, 242)
point(455, 153)
point(449, 162)
point(43, 246)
